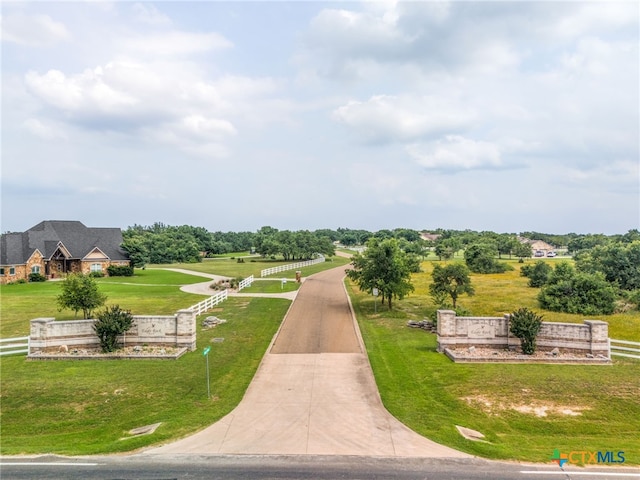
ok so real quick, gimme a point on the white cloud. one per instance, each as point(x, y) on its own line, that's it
point(33, 30)
point(86, 92)
point(388, 118)
point(455, 153)
point(148, 13)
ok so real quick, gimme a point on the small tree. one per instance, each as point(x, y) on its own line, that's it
point(113, 321)
point(525, 324)
point(383, 266)
point(480, 258)
point(80, 292)
point(451, 280)
point(538, 273)
point(522, 251)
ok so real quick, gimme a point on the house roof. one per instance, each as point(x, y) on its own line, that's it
point(79, 240)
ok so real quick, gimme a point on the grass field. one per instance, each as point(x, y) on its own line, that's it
point(147, 292)
point(431, 394)
point(87, 407)
point(73, 407)
point(252, 266)
point(271, 286)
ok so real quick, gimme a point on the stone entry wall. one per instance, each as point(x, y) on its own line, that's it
point(592, 336)
point(177, 330)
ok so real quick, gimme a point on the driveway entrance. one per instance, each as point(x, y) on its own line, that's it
point(314, 392)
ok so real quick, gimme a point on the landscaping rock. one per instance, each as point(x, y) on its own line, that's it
point(424, 324)
point(555, 352)
point(211, 322)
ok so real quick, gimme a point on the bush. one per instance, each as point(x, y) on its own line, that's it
point(584, 293)
point(96, 274)
point(37, 277)
point(113, 321)
point(525, 324)
point(538, 273)
point(120, 271)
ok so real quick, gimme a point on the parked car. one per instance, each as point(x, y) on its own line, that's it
point(539, 253)
point(551, 254)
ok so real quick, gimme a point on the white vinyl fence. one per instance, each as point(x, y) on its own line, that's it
point(624, 351)
point(209, 303)
point(17, 345)
point(245, 283)
point(291, 266)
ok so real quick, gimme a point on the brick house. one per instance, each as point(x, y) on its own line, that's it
point(54, 248)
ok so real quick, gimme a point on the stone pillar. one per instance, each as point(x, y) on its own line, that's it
point(446, 328)
point(38, 334)
point(186, 329)
point(599, 337)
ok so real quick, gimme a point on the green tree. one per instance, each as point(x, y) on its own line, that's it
point(80, 292)
point(525, 324)
point(451, 280)
point(506, 244)
point(383, 266)
point(480, 258)
point(577, 292)
point(446, 248)
point(619, 262)
point(522, 250)
point(538, 273)
point(111, 322)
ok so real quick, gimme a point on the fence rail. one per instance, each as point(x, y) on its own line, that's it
point(20, 345)
point(618, 350)
point(245, 283)
point(291, 266)
point(209, 303)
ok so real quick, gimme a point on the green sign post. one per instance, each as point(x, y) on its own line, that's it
point(205, 353)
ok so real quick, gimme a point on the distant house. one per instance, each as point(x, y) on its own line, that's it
point(54, 248)
point(431, 237)
point(538, 245)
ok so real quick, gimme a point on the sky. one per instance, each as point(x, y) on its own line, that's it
point(502, 116)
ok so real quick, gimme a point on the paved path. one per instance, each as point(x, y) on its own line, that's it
point(314, 392)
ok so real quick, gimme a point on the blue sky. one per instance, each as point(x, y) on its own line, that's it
point(503, 116)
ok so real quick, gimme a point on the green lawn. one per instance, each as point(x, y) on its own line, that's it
point(253, 266)
point(153, 292)
point(271, 286)
point(87, 407)
point(431, 394)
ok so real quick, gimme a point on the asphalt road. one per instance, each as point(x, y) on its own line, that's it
point(290, 468)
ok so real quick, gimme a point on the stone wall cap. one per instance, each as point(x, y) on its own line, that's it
point(595, 322)
point(44, 319)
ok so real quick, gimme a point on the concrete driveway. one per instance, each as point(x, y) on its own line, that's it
point(314, 392)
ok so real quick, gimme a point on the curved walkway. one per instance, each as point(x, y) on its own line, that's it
point(314, 392)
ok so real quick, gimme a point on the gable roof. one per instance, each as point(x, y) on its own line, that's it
point(78, 240)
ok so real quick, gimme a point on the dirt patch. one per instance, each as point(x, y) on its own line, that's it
point(536, 407)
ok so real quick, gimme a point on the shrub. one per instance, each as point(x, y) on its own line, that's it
point(120, 271)
point(37, 277)
point(96, 274)
point(584, 293)
point(525, 324)
point(113, 321)
point(538, 273)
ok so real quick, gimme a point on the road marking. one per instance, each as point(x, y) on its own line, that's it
point(573, 472)
point(48, 464)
